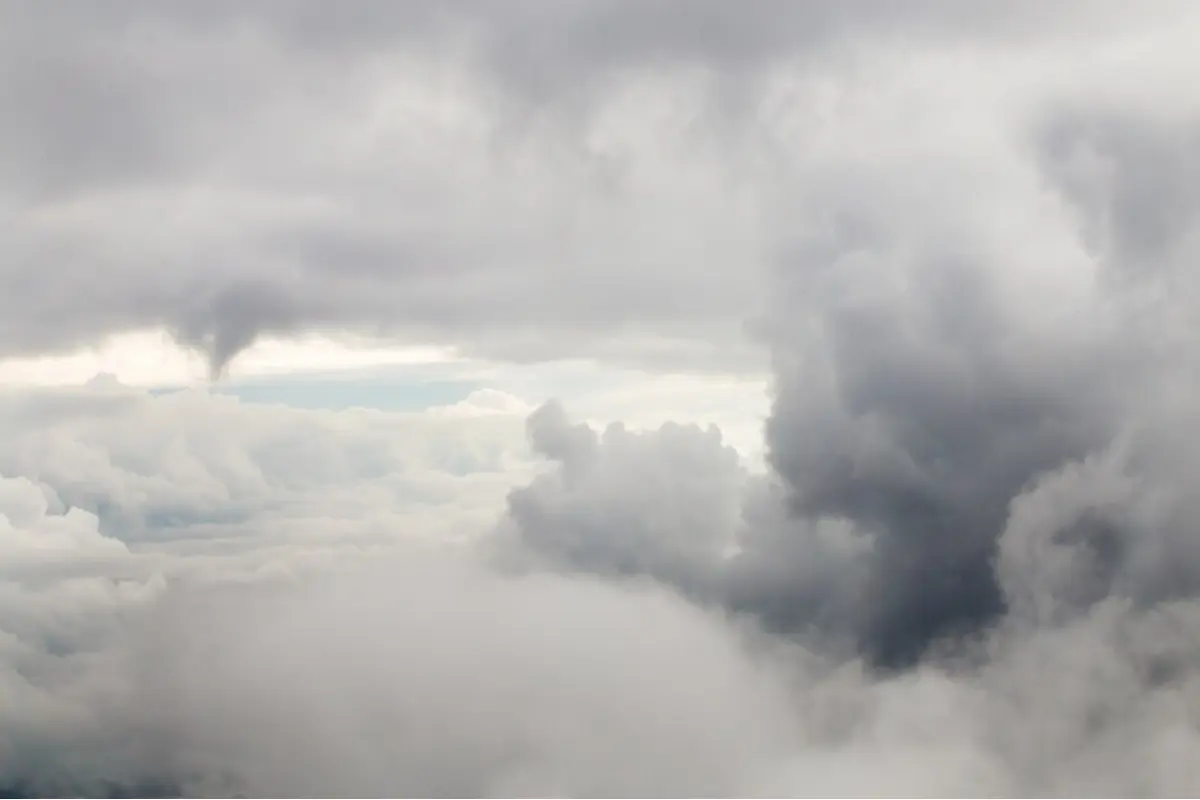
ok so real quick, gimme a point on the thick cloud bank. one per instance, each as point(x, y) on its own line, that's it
point(530, 181)
point(420, 670)
point(963, 240)
point(647, 618)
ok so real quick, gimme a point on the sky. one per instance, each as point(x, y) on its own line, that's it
point(599, 398)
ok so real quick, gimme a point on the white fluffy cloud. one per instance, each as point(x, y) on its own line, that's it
point(312, 655)
point(194, 463)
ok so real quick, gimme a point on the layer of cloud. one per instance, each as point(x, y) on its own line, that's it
point(478, 177)
point(637, 653)
point(192, 463)
point(421, 671)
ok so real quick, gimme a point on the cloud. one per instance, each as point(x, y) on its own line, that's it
point(378, 238)
point(640, 652)
point(192, 463)
point(962, 239)
point(466, 177)
point(475, 685)
point(1079, 681)
point(123, 496)
point(677, 504)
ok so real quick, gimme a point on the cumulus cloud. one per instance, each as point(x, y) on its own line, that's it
point(678, 629)
point(962, 240)
point(1081, 680)
point(177, 464)
point(425, 672)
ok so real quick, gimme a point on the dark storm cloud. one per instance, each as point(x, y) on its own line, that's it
point(946, 332)
point(917, 429)
point(967, 240)
point(228, 169)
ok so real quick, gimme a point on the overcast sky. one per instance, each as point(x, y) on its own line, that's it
point(599, 397)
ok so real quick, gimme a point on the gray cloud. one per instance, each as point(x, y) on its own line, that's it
point(482, 686)
point(293, 660)
point(931, 370)
point(965, 239)
point(460, 164)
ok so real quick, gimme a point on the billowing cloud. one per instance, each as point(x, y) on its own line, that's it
point(961, 239)
point(680, 631)
point(424, 672)
point(182, 463)
point(478, 177)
